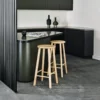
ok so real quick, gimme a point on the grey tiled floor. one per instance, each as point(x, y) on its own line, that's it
point(81, 83)
point(6, 93)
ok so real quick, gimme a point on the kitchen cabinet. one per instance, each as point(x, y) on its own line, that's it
point(79, 42)
point(45, 4)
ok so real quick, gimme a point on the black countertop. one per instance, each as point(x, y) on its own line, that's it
point(36, 35)
point(30, 29)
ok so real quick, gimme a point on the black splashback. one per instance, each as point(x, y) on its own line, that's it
point(45, 4)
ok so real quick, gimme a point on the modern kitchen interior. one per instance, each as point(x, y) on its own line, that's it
point(55, 52)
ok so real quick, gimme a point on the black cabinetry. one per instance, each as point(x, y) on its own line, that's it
point(79, 42)
point(45, 4)
point(65, 4)
point(31, 4)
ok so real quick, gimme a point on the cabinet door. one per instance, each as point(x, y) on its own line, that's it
point(39, 4)
point(53, 4)
point(74, 42)
point(65, 4)
point(45, 4)
point(31, 4)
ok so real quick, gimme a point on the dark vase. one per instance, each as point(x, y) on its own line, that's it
point(48, 21)
point(24, 34)
point(55, 23)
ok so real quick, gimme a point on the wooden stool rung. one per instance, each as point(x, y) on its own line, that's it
point(58, 67)
point(42, 76)
point(39, 71)
point(45, 72)
point(52, 72)
point(60, 64)
point(51, 62)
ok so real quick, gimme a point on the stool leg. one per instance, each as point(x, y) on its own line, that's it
point(51, 58)
point(52, 54)
point(49, 65)
point(61, 61)
point(54, 61)
point(43, 58)
point(53, 69)
point(37, 65)
point(65, 63)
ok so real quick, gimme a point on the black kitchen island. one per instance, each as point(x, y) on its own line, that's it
point(27, 51)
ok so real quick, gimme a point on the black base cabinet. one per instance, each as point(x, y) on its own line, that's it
point(79, 42)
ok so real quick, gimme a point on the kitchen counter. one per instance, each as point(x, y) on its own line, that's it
point(61, 28)
point(31, 36)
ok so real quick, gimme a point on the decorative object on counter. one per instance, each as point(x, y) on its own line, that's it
point(48, 21)
point(55, 23)
point(24, 34)
point(48, 32)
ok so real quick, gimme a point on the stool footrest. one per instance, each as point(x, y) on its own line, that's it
point(60, 64)
point(46, 72)
point(58, 67)
point(51, 62)
point(53, 72)
point(42, 76)
point(41, 71)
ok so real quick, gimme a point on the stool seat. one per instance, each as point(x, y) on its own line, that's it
point(57, 41)
point(46, 46)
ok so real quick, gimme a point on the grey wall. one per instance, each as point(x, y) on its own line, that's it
point(8, 43)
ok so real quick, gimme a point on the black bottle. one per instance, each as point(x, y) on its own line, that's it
point(55, 23)
point(48, 21)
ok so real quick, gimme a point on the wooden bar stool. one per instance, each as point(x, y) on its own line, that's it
point(62, 54)
point(49, 48)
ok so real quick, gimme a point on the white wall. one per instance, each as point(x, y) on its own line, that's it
point(75, 17)
point(37, 18)
point(86, 13)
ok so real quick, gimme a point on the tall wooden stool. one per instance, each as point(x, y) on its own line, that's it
point(49, 48)
point(62, 55)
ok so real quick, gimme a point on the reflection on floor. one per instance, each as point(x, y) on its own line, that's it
point(81, 83)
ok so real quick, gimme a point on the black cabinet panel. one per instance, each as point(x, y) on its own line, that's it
point(45, 4)
point(31, 4)
point(51, 5)
point(65, 4)
point(75, 41)
point(79, 42)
